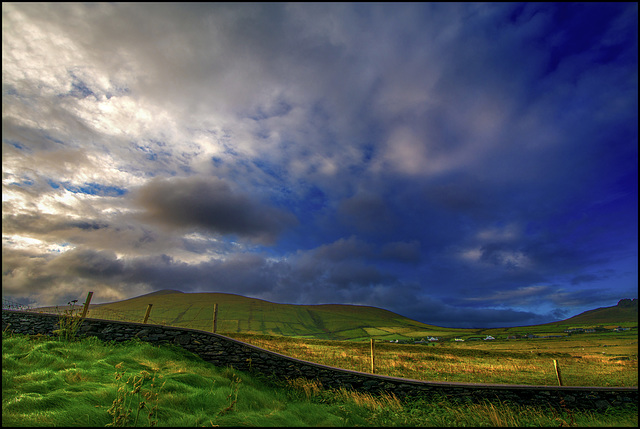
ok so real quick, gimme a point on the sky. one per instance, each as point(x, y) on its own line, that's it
point(460, 164)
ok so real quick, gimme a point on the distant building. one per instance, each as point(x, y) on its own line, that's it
point(489, 337)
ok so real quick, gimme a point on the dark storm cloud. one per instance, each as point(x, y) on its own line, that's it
point(343, 249)
point(337, 266)
point(43, 225)
point(248, 274)
point(408, 299)
point(212, 205)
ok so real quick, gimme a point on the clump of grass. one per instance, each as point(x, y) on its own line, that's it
point(69, 321)
point(130, 397)
point(387, 401)
point(306, 387)
point(235, 385)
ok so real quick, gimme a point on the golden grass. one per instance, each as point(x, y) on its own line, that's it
point(508, 362)
point(370, 401)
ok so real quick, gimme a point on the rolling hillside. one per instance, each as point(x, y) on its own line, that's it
point(239, 314)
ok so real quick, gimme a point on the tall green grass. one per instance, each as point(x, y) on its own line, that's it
point(51, 382)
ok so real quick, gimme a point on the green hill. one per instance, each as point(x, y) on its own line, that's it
point(624, 313)
point(239, 314)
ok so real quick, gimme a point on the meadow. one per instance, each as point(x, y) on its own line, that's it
point(57, 382)
point(606, 359)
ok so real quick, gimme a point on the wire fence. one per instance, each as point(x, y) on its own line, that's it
point(71, 307)
point(7, 304)
point(198, 318)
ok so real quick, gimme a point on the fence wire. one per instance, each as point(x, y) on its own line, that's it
point(7, 304)
point(191, 317)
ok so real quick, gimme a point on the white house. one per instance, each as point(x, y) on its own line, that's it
point(489, 337)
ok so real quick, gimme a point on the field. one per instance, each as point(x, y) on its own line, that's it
point(608, 359)
point(55, 382)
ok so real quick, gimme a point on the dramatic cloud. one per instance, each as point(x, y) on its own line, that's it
point(460, 164)
point(210, 204)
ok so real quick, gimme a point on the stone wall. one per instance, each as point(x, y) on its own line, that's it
point(224, 351)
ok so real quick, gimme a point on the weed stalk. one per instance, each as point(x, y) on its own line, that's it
point(69, 321)
point(123, 405)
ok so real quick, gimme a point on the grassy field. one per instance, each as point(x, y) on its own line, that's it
point(51, 382)
point(609, 359)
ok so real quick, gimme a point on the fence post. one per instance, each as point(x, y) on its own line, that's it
point(146, 316)
point(215, 317)
point(373, 360)
point(557, 367)
point(86, 305)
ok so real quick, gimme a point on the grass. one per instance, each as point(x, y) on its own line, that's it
point(609, 359)
point(52, 382)
point(69, 321)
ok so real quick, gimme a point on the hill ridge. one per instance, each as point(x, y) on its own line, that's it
point(241, 314)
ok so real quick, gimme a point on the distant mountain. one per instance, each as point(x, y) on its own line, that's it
point(625, 311)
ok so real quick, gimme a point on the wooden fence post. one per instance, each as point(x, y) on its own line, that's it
point(146, 315)
point(86, 305)
point(373, 360)
point(215, 317)
point(557, 367)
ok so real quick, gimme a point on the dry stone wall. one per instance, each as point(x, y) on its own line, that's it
point(224, 351)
